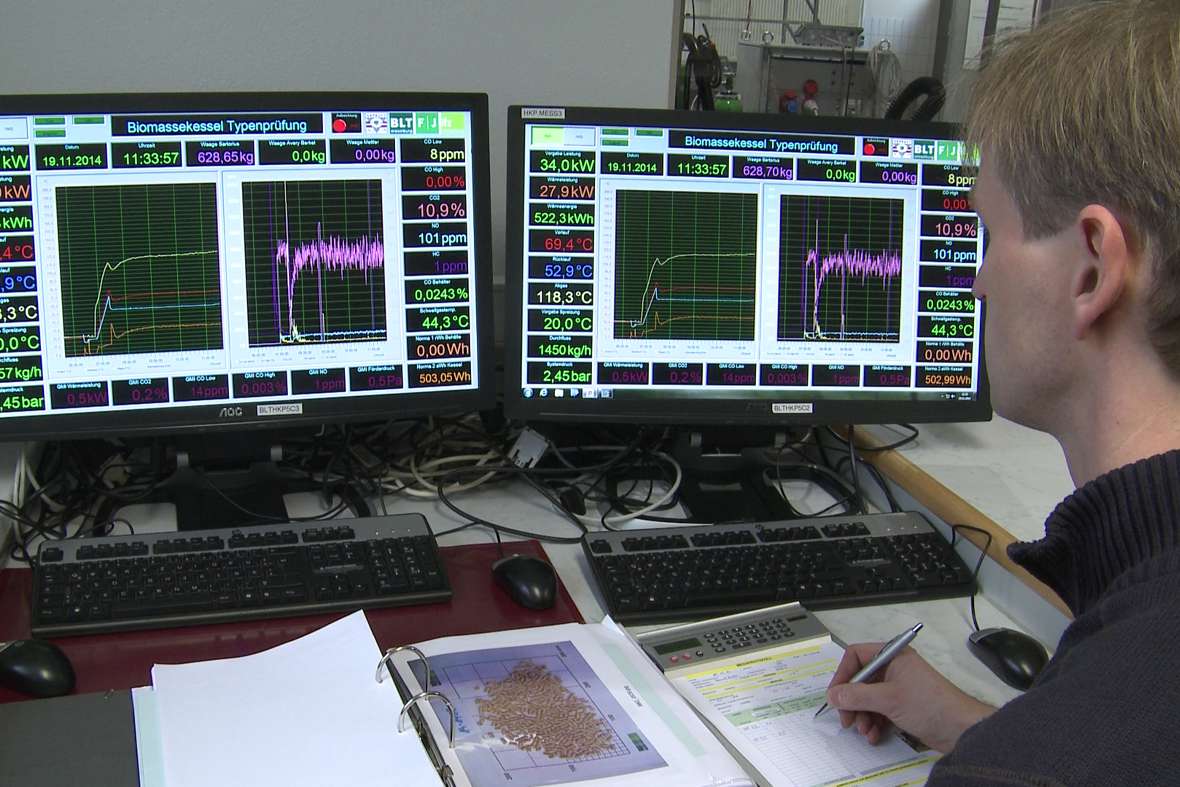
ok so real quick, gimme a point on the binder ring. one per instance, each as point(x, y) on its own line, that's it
point(387, 664)
point(424, 695)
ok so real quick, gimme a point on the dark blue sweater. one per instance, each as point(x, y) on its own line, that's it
point(1106, 709)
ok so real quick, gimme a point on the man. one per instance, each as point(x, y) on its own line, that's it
point(1078, 124)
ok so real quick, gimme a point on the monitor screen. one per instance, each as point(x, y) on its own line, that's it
point(723, 268)
point(174, 262)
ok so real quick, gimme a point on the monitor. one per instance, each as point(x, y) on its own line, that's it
point(180, 262)
point(731, 269)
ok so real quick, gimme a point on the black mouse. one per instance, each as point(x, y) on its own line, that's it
point(530, 581)
point(36, 667)
point(1014, 657)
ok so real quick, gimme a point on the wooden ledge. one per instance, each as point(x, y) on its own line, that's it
point(949, 507)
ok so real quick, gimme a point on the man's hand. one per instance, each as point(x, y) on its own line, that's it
point(909, 693)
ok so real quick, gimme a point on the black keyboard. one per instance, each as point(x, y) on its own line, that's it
point(649, 576)
point(91, 586)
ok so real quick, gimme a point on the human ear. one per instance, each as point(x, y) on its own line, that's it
point(1105, 265)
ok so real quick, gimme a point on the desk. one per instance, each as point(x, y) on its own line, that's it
point(98, 721)
point(124, 660)
point(947, 621)
point(996, 475)
point(1014, 475)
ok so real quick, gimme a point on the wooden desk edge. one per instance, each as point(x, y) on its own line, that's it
point(949, 507)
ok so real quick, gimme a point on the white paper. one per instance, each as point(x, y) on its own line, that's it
point(691, 756)
point(764, 704)
point(308, 712)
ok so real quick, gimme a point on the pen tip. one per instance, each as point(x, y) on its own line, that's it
point(822, 708)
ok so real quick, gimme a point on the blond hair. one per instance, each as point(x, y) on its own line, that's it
point(1086, 109)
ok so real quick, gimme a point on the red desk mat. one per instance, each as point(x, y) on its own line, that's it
point(124, 660)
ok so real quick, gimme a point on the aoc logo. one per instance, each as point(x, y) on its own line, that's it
point(231, 412)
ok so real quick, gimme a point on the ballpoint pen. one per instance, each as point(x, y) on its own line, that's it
point(883, 657)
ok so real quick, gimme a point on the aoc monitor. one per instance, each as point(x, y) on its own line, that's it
point(176, 262)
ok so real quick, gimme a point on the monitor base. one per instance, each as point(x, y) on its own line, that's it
point(733, 486)
point(226, 498)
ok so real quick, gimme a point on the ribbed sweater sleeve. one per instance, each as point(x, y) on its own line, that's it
point(1104, 710)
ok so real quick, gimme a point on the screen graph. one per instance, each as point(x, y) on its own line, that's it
point(685, 264)
point(139, 267)
point(315, 262)
point(840, 268)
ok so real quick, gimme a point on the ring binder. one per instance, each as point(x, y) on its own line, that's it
point(422, 695)
point(385, 665)
point(389, 655)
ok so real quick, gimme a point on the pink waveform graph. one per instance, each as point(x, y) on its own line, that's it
point(854, 263)
point(321, 256)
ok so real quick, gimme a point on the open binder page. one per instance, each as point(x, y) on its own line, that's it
point(764, 704)
point(306, 712)
point(565, 704)
point(149, 749)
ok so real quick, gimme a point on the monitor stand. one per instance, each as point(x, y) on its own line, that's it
point(728, 488)
point(225, 481)
point(222, 498)
point(722, 478)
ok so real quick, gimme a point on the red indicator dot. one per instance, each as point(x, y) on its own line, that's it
point(339, 126)
point(870, 148)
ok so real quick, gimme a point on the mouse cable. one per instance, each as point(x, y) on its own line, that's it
point(978, 563)
point(847, 501)
point(854, 466)
point(499, 542)
point(871, 449)
point(261, 518)
point(820, 448)
point(847, 494)
point(854, 462)
point(886, 487)
point(881, 480)
point(474, 520)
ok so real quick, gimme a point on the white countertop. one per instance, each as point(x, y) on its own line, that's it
point(1014, 475)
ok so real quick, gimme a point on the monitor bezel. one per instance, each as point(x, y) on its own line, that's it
point(713, 410)
point(242, 413)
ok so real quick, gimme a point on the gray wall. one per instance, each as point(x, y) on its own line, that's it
point(605, 52)
point(958, 80)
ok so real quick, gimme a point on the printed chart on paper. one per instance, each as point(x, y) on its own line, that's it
point(535, 715)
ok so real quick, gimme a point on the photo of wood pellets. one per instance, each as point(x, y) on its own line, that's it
point(535, 715)
point(532, 711)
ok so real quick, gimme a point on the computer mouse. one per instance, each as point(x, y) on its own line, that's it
point(530, 581)
point(35, 667)
point(1014, 657)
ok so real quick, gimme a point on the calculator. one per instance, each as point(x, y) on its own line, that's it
point(689, 644)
